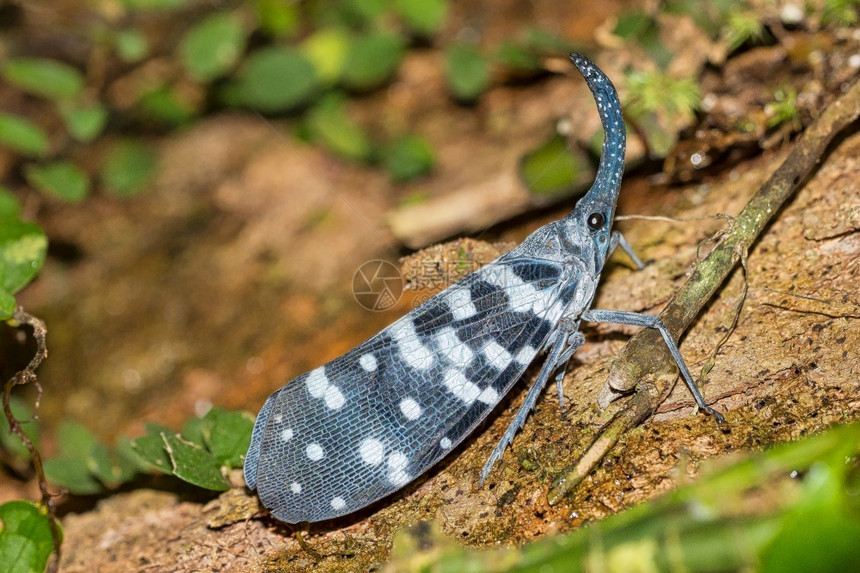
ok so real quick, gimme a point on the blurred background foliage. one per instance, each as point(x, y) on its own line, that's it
point(134, 72)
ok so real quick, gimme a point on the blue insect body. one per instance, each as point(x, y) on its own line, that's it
point(362, 426)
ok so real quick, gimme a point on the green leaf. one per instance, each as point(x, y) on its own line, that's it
point(75, 439)
point(517, 57)
point(192, 431)
point(10, 207)
point(85, 123)
point(552, 168)
point(127, 167)
point(150, 449)
point(228, 435)
point(26, 541)
point(212, 47)
point(193, 464)
point(22, 252)
point(131, 45)
point(146, 5)
point(363, 11)
point(128, 456)
point(43, 77)
point(109, 466)
point(8, 304)
point(327, 49)
point(372, 60)
point(330, 126)
point(466, 71)
point(408, 158)
point(60, 179)
point(422, 16)
point(277, 18)
point(22, 135)
point(11, 442)
point(276, 79)
point(73, 474)
point(164, 105)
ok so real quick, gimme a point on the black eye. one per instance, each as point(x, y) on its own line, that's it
point(595, 221)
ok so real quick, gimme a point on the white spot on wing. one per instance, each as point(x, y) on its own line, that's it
point(371, 451)
point(452, 348)
point(496, 355)
point(314, 452)
point(526, 355)
point(296, 487)
point(317, 382)
point(337, 503)
point(521, 295)
point(445, 443)
point(368, 362)
point(488, 396)
point(410, 409)
point(397, 463)
point(334, 398)
point(412, 351)
point(460, 302)
point(287, 434)
point(457, 384)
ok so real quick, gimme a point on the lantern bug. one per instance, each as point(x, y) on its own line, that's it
point(362, 426)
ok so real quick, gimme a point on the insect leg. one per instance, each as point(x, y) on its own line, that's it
point(558, 349)
point(616, 239)
point(650, 321)
point(574, 342)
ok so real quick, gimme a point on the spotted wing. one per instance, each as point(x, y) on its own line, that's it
point(365, 424)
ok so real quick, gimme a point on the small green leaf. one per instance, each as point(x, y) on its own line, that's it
point(73, 474)
point(363, 11)
point(109, 466)
point(408, 158)
point(330, 126)
point(150, 449)
point(466, 71)
point(10, 207)
point(75, 439)
point(125, 450)
point(517, 57)
point(22, 135)
point(275, 79)
point(131, 45)
point(127, 167)
point(85, 123)
point(193, 464)
point(552, 168)
point(192, 431)
point(24, 414)
point(43, 77)
point(147, 5)
point(60, 179)
point(212, 47)
point(327, 50)
point(277, 18)
point(26, 541)
point(228, 435)
point(8, 304)
point(164, 105)
point(22, 252)
point(372, 60)
point(422, 16)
